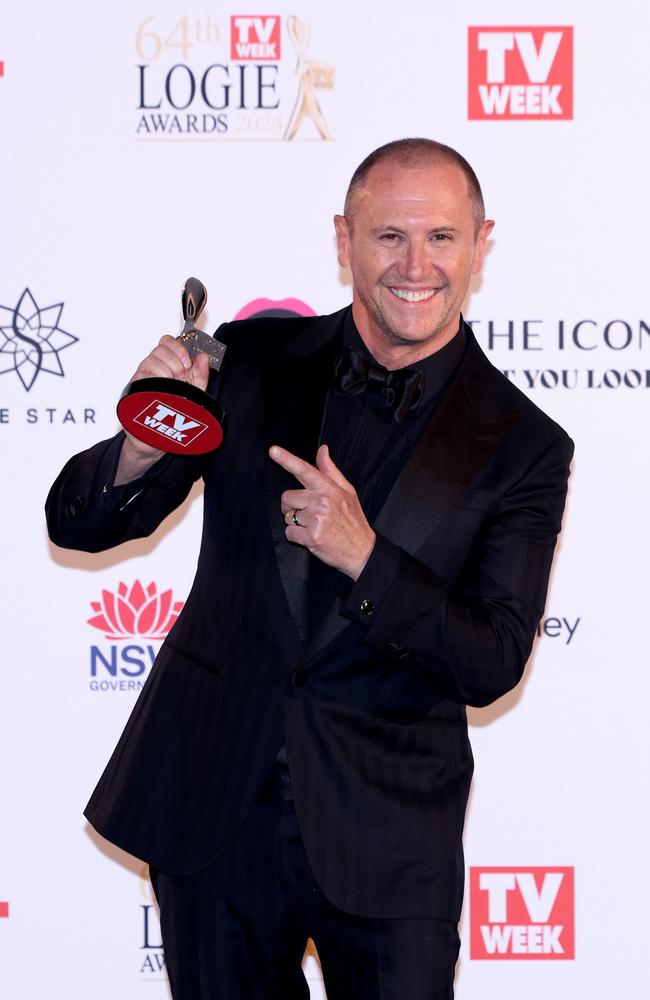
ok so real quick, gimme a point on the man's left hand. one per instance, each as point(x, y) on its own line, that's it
point(331, 523)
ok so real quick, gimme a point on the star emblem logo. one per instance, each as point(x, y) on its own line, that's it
point(31, 339)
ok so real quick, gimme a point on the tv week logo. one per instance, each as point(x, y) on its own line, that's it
point(521, 913)
point(516, 73)
point(170, 423)
point(254, 37)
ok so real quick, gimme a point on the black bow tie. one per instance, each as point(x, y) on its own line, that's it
point(400, 390)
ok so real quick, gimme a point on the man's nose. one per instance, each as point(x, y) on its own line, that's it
point(416, 262)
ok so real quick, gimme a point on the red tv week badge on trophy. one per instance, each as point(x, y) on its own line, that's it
point(521, 913)
point(254, 37)
point(165, 420)
point(516, 73)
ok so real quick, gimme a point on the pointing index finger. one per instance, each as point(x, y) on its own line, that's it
point(306, 474)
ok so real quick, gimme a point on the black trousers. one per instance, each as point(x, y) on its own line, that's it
point(238, 930)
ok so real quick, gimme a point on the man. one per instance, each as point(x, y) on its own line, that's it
point(378, 533)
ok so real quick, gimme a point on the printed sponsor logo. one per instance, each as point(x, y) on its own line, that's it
point(522, 913)
point(170, 423)
point(274, 307)
point(61, 416)
point(31, 343)
point(31, 339)
point(254, 38)
point(234, 77)
point(517, 73)
point(559, 628)
point(134, 619)
point(586, 347)
point(4, 906)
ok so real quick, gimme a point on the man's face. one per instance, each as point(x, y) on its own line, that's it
point(411, 245)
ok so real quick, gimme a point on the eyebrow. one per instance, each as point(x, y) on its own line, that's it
point(396, 229)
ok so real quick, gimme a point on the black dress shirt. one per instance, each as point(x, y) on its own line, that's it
point(370, 448)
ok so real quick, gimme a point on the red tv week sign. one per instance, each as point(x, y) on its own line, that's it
point(521, 913)
point(516, 73)
point(254, 36)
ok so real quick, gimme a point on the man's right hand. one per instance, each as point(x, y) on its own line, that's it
point(168, 360)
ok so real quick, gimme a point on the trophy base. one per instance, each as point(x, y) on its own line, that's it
point(171, 415)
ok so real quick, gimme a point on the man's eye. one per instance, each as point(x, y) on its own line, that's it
point(441, 237)
point(389, 237)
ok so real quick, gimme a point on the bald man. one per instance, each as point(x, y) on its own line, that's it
point(378, 534)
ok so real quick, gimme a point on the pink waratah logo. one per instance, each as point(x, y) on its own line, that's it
point(139, 611)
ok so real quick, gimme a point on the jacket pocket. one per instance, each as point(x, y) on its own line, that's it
point(195, 658)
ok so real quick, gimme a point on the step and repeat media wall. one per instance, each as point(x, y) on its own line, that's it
point(142, 144)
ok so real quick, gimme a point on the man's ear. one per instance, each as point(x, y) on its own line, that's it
point(479, 249)
point(342, 227)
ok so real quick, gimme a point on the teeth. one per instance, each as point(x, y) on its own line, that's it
point(401, 293)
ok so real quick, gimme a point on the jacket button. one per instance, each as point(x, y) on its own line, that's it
point(367, 607)
point(299, 678)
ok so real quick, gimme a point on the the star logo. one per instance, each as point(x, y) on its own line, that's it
point(31, 339)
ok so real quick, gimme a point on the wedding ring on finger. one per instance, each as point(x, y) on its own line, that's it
point(294, 518)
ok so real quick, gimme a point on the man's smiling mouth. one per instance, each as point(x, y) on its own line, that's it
point(408, 296)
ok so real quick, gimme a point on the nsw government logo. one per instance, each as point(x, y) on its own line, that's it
point(241, 77)
point(132, 619)
point(521, 913)
point(524, 72)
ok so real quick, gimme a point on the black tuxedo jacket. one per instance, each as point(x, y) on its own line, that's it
point(371, 706)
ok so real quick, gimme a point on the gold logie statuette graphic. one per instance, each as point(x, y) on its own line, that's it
point(312, 76)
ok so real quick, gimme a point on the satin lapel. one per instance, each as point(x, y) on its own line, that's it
point(294, 398)
point(450, 454)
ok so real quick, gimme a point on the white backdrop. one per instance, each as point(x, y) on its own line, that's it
point(108, 206)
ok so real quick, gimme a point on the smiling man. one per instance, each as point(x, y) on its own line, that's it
point(412, 248)
point(378, 534)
